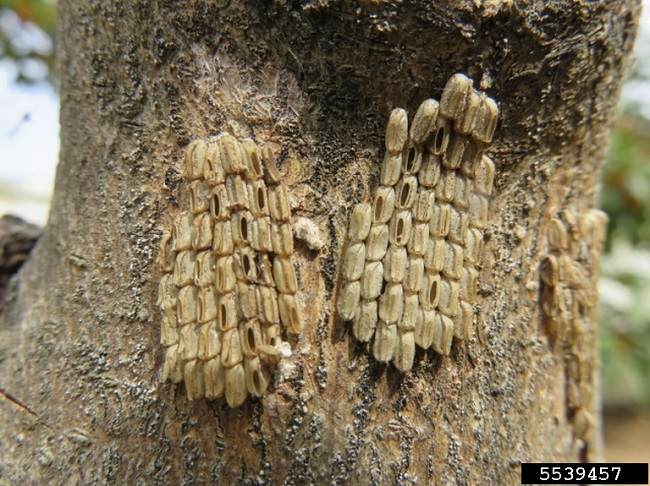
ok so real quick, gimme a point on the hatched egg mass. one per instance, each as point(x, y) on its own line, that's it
point(228, 290)
point(408, 274)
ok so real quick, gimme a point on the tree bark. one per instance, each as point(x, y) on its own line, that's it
point(80, 357)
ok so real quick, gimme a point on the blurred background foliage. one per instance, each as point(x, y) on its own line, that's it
point(27, 30)
point(27, 42)
point(625, 270)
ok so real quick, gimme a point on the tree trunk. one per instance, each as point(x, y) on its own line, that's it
point(80, 359)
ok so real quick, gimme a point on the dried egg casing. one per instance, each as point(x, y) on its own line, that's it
point(466, 122)
point(236, 391)
point(227, 317)
point(598, 221)
point(272, 174)
point(206, 305)
point(478, 210)
point(434, 258)
point(291, 313)
point(267, 303)
point(209, 341)
point(423, 121)
point(182, 232)
point(453, 261)
point(258, 198)
point(557, 235)
point(400, 228)
point(237, 192)
point(202, 237)
point(410, 312)
point(383, 205)
point(391, 303)
point(440, 220)
point(241, 227)
point(225, 276)
point(265, 270)
point(271, 335)
point(282, 239)
point(395, 263)
point(245, 264)
point(219, 203)
point(285, 275)
point(354, 261)
point(213, 171)
point(464, 321)
point(455, 150)
point(184, 268)
point(199, 196)
point(448, 297)
point(583, 423)
point(193, 161)
point(486, 119)
point(468, 285)
point(167, 255)
point(471, 157)
point(261, 239)
point(377, 242)
point(412, 159)
point(215, 378)
point(396, 131)
point(279, 203)
point(269, 354)
point(391, 169)
point(365, 322)
point(458, 226)
point(348, 300)
point(429, 173)
point(230, 153)
point(204, 268)
point(454, 96)
point(188, 344)
point(222, 244)
point(446, 186)
point(383, 346)
point(463, 189)
point(549, 271)
point(429, 294)
point(167, 292)
point(576, 277)
point(250, 337)
point(372, 280)
point(473, 246)
point(172, 370)
point(252, 160)
point(414, 274)
point(231, 350)
point(438, 140)
point(193, 378)
point(247, 295)
point(424, 205)
point(404, 352)
point(169, 334)
point(406, 192)
point(443, 333)
point(360, 222)
point(257, 379)
point(484, 176)
point(417, 245)
point(424, 328)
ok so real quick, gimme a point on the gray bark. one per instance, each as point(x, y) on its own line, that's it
point(79, 353)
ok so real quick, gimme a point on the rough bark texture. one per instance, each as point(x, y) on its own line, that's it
point(80, 359)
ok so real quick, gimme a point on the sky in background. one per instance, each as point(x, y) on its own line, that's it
point(29, 129)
